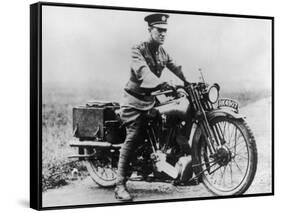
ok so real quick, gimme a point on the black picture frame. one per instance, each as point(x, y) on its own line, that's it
point(36, 100)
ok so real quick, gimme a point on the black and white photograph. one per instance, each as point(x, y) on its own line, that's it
point(146, 105)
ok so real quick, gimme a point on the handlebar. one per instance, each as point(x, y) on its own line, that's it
point(161, 92)
point(175, 88)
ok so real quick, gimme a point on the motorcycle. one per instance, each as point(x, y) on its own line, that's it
point(192, 136)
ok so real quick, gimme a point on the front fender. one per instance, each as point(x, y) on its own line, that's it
point(224, 112)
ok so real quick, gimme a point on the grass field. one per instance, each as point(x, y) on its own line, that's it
point(58, 102)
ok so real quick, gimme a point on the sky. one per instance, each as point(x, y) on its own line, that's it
point(86, 45)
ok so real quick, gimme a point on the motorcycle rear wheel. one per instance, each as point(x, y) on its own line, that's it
point(101, 168)
point(233, 169)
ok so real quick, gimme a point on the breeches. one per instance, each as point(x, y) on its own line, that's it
point(135, 136)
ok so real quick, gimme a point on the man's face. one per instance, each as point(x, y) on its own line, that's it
point(158, 35)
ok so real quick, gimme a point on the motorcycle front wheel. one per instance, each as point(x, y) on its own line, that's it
point(231, 170)
point(101, 166)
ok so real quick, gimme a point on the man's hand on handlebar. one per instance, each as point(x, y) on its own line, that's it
point(165, 86)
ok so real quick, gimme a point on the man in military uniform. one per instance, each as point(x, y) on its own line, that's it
point(148, 59)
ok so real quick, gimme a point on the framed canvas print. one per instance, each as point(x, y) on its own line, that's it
point(134, 105)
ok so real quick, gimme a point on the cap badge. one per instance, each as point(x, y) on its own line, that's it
point(163, 18)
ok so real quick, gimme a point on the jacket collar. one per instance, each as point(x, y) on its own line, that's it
point(153, 46)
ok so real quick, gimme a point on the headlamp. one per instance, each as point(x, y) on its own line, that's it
point(213, 93)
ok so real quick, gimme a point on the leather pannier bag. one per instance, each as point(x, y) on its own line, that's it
point(97, 120)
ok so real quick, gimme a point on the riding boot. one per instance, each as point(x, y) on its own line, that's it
point(133, 136)
point(121, 192)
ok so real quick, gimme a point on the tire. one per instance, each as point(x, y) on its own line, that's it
point(228, 157)
point(96, 171)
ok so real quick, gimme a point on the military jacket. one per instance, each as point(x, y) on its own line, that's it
point(147, 65)
point(145, 70)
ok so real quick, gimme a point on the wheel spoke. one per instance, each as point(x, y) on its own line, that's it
point(239, 150)
point(224, 128)
point(223, 175)
point(106, 173)
point(235, 146)
point(237, 166)
point(231, 134)
point(102, 172)
point(230, 167)
point(241, 156)
point(235, 140)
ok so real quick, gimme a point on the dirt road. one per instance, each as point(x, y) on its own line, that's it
point(87, 192)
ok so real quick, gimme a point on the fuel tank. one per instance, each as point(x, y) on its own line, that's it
point(178, 107)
